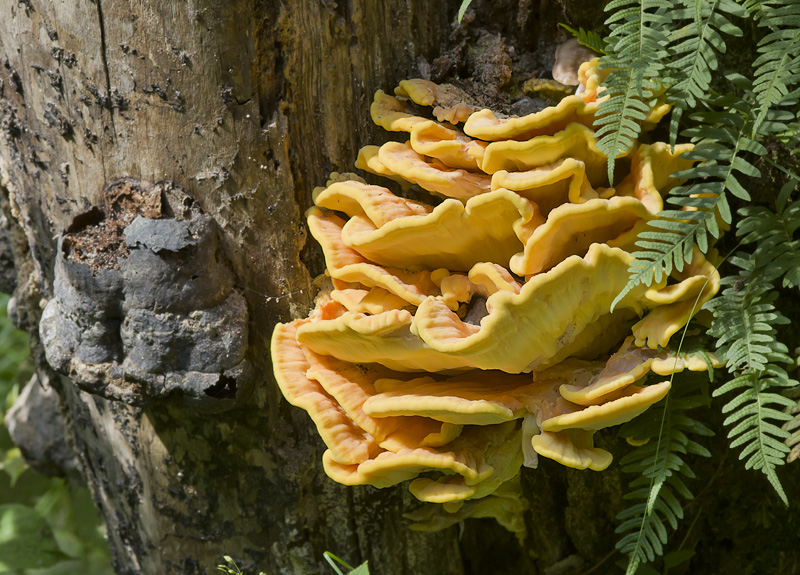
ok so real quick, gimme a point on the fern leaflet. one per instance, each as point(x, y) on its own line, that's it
point(667, 242)
point(637, 52)
point(792, 427)
point(754, 9)
point(588, 38)
point(694, 48)
point(773, 235)
point(619, 117)
point(661, 469)
point(745, 321)
point(778, 64)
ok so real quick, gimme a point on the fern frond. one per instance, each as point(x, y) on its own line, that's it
point(778, 64)
point(753, 9)
point(636, 55)
point(588, 38)
point(693, 48)
point(764, 443)
point(661, 470)
point(620, 116)
point(792, 427)
point(696, 343)
point(638, 32)
point(722, 137)
point(745, 320)
point(773, 235)
point(791, 137)
point(667, 244)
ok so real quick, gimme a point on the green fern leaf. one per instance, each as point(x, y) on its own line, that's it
point(792, 427)
point(588, 38)
point(745, 325)
point(778, 64)
point(663, 251)
point(773, 235)
point(693, 48)
point(754, 9)
point(722, 137)
point(636, 54)
point(619, 117)
point(661, 469)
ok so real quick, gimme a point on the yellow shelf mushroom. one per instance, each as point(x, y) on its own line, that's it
point(464, 340)
point(396, 232)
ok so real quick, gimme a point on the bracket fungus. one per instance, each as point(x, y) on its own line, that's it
point(463, 340)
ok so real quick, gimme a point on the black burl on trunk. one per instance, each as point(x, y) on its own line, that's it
point(143, 303)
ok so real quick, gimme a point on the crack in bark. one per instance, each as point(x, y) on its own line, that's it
point(104, 57)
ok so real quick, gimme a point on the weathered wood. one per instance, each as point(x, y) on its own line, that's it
point(248, 105)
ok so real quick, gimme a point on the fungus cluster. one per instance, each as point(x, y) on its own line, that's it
point(460, 341)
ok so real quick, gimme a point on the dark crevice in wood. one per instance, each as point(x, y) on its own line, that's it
point(104, 58)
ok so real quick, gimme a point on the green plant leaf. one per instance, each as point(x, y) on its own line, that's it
point(26, 540)
point(362, 569)
point(745, 325)
point(588, 38)
point(462, 9)
point(660, 468)
point(695, 40)
point(13, 464)
point(677, 558)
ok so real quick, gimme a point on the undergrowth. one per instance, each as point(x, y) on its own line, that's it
point(47, 525)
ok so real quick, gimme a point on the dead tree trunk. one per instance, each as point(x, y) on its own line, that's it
point(239, 109)
point(247, 106)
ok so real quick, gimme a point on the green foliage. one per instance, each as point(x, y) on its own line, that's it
point(588, 38)
point(231, 568)
point(636, 56)
point(725, 133)
point(47, 527)
point(13, 367)
point(790, 137)
point(462, 9)
point(778, 63)
point(792, 428)
point(660, 467)
point(732, 121)
point(694, 45)
point(772, 233)
point(619, 118)
point(26, 540)
point(721, 139)
point(332, 560)
point(745, 323)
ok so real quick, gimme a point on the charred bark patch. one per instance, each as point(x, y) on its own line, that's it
point(144, 304)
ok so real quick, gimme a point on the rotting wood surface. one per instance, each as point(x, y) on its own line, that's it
point(248, 106)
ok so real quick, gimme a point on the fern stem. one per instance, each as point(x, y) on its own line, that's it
point(775, 164)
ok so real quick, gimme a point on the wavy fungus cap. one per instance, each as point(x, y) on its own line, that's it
point(461, 339)
point(626, 366)
point(393, 231)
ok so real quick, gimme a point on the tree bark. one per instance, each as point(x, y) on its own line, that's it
point(247, 105)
